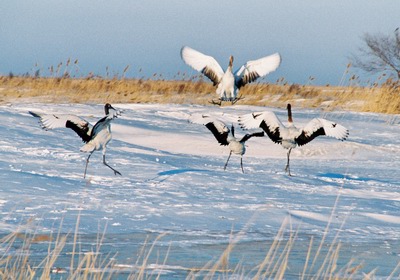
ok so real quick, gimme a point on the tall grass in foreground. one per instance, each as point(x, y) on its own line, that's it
point(317, 263)
point(19, 263)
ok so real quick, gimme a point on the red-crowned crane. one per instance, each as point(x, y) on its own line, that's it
point(95, 137)
point(290, 136)
point(225, 136)
point(228, 83)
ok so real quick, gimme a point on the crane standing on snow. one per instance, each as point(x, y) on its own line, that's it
point(95, 137)
point(290, 137)
point(225, 136)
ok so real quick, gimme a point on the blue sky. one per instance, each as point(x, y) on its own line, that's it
point(315, 38)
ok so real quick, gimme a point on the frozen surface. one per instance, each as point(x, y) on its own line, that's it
point(173, 182)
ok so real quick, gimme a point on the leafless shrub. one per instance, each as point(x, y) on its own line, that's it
point(381, 53)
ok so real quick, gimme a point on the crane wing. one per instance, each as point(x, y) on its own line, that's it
point(248, 136)
point(254, 69)
point(202, 63)
point(317, 127)
point(77, 124)
point(268, 121)
point(216, 126)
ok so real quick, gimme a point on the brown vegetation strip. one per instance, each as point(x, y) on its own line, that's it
point(381, 99)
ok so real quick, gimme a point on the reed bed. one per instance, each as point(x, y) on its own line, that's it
point(320, 261)
point(379, 98)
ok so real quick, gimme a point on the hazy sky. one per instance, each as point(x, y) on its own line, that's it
point(314, 37)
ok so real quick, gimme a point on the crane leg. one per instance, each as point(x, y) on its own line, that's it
point(106, 164)
point(226, 164)
point(241, 164)
point(213, 102)
point(287, 168)
point(236, 99)
point(87, 162)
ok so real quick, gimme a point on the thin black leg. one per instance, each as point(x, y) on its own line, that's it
point(226, 164)
point(241, 164)
point(105, 163)
point(219, 102)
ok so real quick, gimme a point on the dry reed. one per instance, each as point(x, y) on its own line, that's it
point(275, 265)
point(383, 98)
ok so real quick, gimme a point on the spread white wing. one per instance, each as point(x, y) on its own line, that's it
point(203, 63)
point(52, 121)
point(216, 126)
point(254, 69)
point(268, 121)
point(77, 124)
point(317, 127)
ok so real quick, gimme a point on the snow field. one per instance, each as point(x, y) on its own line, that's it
point(173, 181)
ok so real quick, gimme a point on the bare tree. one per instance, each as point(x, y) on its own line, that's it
point(380, 54)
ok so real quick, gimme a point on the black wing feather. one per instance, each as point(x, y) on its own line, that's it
point(81, 131)
point(211, 75)
point(303, 138)
point(248, 136)
point(274, 135)
point(246, 79)
point(221, 137)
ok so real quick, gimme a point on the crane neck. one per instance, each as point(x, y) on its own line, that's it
point(230, 62)
point(289, 109)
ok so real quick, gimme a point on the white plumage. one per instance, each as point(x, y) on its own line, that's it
point(52, 121)
point(95, 137)
point(290, 136)
point(228, 83)
point(225, 136)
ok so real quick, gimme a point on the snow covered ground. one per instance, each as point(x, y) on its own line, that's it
point(173, 182)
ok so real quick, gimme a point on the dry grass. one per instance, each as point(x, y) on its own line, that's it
point(383, 98)
point(18, 260)
point(91, 265)
point(318, 263)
